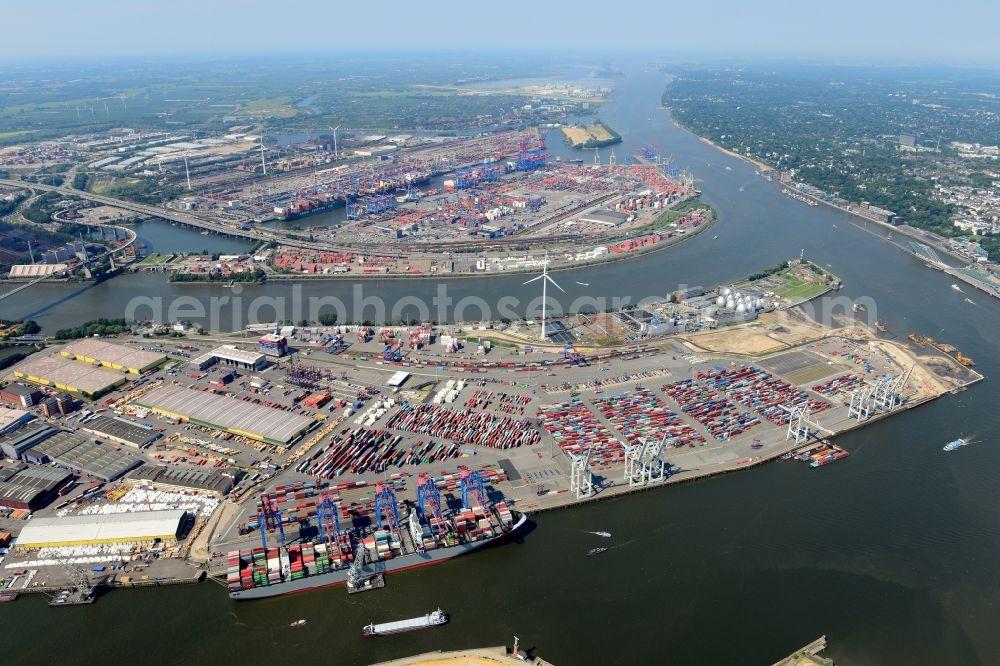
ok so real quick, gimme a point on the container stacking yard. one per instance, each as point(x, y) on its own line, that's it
point(239, 417)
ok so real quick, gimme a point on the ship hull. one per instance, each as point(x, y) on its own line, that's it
point(339, 577)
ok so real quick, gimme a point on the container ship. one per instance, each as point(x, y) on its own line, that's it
point(424, 537)
point(304, 206)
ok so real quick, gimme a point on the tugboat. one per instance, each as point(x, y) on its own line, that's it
point(596, 551)
point(297, 623)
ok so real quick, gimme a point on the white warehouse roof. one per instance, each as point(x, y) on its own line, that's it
point(110, 528)
point(398, 378)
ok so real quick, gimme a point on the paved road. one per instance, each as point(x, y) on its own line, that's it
point(176, 216)
point(130, 237)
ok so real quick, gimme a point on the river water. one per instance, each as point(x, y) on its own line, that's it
point(892, 553)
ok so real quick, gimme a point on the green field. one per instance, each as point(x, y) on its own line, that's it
point(795, 289)
point(154, 259)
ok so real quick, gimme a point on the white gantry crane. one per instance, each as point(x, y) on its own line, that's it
point(801, 424)
point(884, 395)
point(581, 479)
point(644, 463)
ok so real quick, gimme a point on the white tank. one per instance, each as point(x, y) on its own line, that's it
point(741, 308)
point(730, 304)
point(727, 291)
point(720, 301)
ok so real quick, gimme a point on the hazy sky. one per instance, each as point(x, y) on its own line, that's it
point(899, 30)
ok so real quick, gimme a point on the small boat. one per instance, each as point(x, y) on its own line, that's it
point(297, 623)
point(606, 535)
point(955, 444)
point(970, 301)
point(857, 307)
point(583, 284)
point(596, 551)
point(432, 619)
point(729, 168)
point(956, 287)
point(882, 328)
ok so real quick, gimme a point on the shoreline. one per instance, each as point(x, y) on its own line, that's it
point(914, 233)
point(354, 277)
point(614, 489)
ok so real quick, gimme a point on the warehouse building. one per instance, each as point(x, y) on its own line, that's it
point(111, 355)
point(218, 482)
point(15, 444)
point(266, 424)
point(231, 355)
point(30, 487)
point(12, 419)
point(79, 378)
point(76, 452)
point(20, 395)
point(121, 431)
point(115, 528)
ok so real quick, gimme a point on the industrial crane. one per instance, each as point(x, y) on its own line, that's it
point(386, 506)
point(269, 519)
point(472, 489)
point(428, 498)
point(327, 520)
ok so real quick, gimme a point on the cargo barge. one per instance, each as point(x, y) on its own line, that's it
point(261, 573)
point(433, 619)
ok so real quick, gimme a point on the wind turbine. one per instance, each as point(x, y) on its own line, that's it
point(186, 172)
point(124, 103)
point(336, 155)
point(544, 277)
point(263, 164)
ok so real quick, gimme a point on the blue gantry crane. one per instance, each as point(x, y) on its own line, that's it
point(428, 497)
point(269, 518)
point(473, 489)
point(327, 520)
point(386, 506)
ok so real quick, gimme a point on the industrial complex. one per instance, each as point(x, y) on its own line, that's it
point(404, 445)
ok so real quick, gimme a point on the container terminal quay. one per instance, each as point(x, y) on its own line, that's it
point(288, 458)
point(471, 206)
